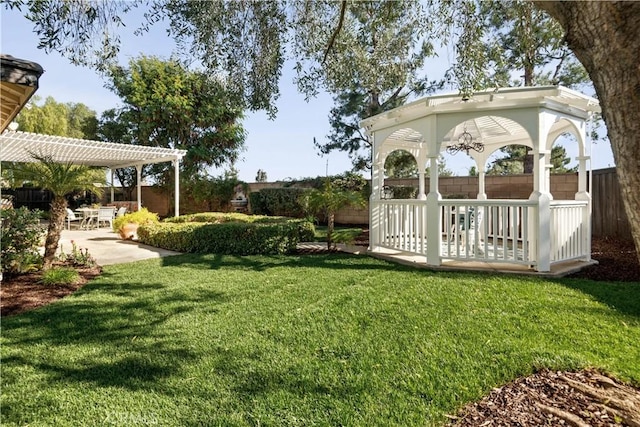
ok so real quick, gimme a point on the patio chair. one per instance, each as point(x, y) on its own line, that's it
point(121, 211)
point(469, 225)
point(105, 215)
point(71, 217)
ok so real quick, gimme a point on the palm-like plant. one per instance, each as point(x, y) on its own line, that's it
point(329, 200)
point(61, 179)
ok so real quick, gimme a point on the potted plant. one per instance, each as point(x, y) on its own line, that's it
point(127, 225)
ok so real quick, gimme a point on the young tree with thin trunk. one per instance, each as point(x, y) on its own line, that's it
point(61, 179)
point(329, 200)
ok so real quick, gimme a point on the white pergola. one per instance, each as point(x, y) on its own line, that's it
point(16, 146)
point(536, 232)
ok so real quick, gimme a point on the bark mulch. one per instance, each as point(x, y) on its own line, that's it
point(24, 292)
point(578, 399)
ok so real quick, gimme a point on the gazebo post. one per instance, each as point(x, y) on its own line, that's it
point(542, 197)
point(375, 211)
point(434, 238)
point(583, 194)
point(482, 195)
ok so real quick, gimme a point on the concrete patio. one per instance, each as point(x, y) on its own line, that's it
point(108, 248)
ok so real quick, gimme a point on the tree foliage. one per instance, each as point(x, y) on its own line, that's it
point(166, 105)
point(512, 43)
point(507, 43)
point(244, 41)
point(50, 117)
point(84, 31)
point(401, 164)
point(328, 200)
point(515, 161)
point(369, 55)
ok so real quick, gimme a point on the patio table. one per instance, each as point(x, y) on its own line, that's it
point(88, 217)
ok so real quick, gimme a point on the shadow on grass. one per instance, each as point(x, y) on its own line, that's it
point(334, 261)
point(623, 297)
point(114, 313)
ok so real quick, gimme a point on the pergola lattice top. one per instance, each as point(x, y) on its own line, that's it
point(19, 146)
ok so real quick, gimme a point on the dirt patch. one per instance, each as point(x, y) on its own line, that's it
point(25, 292)
point(617, 261)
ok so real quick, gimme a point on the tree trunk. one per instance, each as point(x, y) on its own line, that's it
point(56, 224)
point(331, 216)
point(605, 37)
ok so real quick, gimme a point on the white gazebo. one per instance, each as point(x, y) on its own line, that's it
point(538, 232)
point(18, 146)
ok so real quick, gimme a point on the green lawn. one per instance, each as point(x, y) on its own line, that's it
point(340, 234)
point(319, 340)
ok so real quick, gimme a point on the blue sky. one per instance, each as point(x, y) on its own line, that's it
point(282, 147)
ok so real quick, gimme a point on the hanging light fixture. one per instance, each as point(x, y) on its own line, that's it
point(465, 143)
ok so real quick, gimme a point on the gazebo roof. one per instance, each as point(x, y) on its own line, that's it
point(19, 146)
point(480, 115)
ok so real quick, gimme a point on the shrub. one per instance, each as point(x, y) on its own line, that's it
point(404, 191)
point(216, 192)
point(221, 217)
point(60, 276)
point(21, 236)
point(257, 203)
point(143, 216)
point(236, 234)
point(281, 202)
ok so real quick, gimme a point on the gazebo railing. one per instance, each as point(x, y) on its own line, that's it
point(402, 225)
point(570, 230)
point(499, 231)
point(488, 230)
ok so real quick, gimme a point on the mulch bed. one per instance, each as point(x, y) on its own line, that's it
point(578, 399)
point(24, 292)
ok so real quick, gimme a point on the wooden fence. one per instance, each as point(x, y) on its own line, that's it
point(608, 216)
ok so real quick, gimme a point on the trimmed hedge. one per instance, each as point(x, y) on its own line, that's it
point(231, 234)
point(222, 217)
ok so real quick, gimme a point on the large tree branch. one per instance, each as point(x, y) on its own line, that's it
point(334, 35)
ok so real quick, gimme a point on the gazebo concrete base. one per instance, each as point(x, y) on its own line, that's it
point(559, 269)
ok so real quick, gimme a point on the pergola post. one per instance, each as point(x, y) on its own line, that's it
point(139, 185)
point(176, 185)
point(112, 190)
